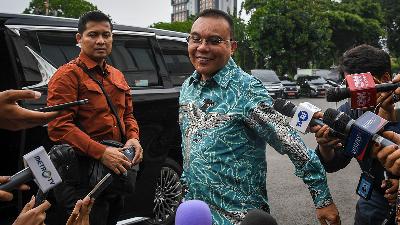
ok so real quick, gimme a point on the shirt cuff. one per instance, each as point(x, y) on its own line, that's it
point(95, 149)
point(133, 135)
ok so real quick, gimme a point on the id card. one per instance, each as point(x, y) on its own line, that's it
point(365, 186)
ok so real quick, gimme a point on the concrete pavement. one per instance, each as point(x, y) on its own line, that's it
point(290, 201)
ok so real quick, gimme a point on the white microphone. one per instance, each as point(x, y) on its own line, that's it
point(39, 168)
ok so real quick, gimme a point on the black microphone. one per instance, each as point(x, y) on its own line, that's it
point(258, 217)
point(40, 167)
point(340, 121)
point(337, 94)
point(288, 109)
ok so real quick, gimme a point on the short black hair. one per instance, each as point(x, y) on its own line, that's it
point(215, 13)
point(366, 58)
point(96, 16)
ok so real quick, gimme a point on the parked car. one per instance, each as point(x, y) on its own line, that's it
point(290, 89)
point(270, 81)
point(154, 62)
point(312, 86)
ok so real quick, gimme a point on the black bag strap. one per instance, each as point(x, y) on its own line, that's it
point(110, 104)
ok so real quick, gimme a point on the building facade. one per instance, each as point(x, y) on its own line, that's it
point(183, 9)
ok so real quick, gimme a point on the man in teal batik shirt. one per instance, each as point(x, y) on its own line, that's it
point(226, 120)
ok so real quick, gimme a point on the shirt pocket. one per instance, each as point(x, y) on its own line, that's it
point(118, 96)
point(93, 93)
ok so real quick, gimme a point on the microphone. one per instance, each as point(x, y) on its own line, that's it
point(337, 94)
point(193, 212)
point(39, 168)
point(289, 109)
point(359, 131)
point(258, 217)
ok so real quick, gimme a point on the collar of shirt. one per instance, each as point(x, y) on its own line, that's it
point(92, 65)
point(223, 76)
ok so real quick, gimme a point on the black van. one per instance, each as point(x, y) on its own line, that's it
point(154, 62)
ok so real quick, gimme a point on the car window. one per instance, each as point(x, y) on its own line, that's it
point(318, 81)
point(132, 55)
point(30, 71)
point(287, 82)
point(177, 60)
point(266, 75)
point(58, 47)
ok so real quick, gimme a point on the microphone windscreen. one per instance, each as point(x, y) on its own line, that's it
point(336, 120)
point(193, 212)
point(258, 217)
point(284, 107)
point(337, 94)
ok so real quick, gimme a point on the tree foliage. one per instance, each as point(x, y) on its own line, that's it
point(174, 26)
point(391, 9)
point(243, 56)
point(60, 8)
point(354, 22)
point(288, 34)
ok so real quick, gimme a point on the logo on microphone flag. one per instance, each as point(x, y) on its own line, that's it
point(303, 115)
point(43, 169)
point(362, 90)
point(361, 133)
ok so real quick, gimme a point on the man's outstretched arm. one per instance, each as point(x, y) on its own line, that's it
point(274, 128)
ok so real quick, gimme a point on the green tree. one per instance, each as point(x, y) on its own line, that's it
point(243, 56)
point(354, 22)
point(289, 34)
point(391, 9)
point(174, 26)
point(61, 8)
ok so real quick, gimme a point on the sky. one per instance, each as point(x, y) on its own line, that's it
point(140, 13)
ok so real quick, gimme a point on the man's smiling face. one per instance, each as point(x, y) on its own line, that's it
point(208, 58)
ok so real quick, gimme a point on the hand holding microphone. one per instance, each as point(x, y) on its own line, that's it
point(39, 167)
point(389, 156)
point(7, 196)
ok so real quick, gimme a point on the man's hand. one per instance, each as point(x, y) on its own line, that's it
point(391, 190)
point(386, 102)
point(138, 150)
point(32, 216)
point(81, 212)
point(326, 144)
point(13, 117)
point(328, 215)
point(115, 160)
point(389, 156)
point(7, 196)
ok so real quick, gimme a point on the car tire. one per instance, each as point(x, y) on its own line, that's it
point(169, 193)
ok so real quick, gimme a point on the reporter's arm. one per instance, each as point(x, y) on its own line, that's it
point(14, 117)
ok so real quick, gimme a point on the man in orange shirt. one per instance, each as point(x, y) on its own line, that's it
point(83, 127)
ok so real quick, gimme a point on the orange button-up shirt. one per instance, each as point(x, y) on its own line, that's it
point(95, 119)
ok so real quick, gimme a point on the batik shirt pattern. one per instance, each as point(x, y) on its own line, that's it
point(226, 123)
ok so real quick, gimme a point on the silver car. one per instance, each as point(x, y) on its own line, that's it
point(270, 81)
